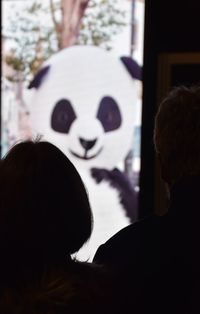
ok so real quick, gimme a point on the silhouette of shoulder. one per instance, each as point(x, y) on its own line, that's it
point(133, 243)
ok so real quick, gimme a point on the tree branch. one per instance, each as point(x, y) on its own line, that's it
point(73, 11)
point(57, 25)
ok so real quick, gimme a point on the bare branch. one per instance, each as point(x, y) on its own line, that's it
point(73, 11)
point(57, 25)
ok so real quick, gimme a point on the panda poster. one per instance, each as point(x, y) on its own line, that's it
point(86, 100)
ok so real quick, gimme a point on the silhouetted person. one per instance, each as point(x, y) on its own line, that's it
point(45, 216)
point(157, 259)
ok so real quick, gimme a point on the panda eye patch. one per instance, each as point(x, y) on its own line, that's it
point(109, 114)
point(62, 116)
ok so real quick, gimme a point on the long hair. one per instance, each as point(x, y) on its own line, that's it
point(44, 210)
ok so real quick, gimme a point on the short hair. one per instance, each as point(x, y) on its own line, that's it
point(177, 131)
point(44, 208)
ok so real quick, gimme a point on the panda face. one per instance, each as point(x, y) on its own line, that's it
point(85, 106)
point(108, 114)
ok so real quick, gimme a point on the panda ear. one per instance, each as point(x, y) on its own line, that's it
point(134, 69)
point(39, 77)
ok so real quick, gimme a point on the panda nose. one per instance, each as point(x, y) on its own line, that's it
point(87, 145)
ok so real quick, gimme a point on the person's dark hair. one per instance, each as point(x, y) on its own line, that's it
point(177, 132)
point(44, 208)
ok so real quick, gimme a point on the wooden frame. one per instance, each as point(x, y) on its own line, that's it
point(173, 69)
point(166, 62)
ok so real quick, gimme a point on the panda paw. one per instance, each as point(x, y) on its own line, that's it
point(99, 174)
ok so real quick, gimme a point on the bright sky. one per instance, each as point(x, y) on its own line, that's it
point(121, 43)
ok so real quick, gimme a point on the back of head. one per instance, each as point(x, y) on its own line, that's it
point(44, 210)
point(177, 134)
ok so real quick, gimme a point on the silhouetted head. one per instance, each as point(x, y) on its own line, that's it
point(177, 134)
point(44, 209)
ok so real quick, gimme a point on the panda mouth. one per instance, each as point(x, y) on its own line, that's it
point(85, 157)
